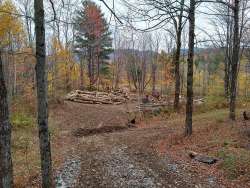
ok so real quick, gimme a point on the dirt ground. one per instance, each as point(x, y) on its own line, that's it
point(97, 156)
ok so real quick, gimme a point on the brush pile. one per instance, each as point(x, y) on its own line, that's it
point(96, 97)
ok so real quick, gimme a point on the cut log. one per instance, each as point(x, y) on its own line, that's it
point(202, 158)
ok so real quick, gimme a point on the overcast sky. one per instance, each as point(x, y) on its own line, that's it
point(202, 21)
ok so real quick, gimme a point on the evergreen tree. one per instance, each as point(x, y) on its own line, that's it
point(93, 38)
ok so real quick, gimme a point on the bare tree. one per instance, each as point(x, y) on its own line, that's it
point(222, 21)
point(155, 58)
point(41, 79)
point(161, 13)
point(178, 29)
point(27, 10)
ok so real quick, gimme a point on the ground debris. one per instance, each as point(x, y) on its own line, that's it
point(67, 176)
point(202, 158)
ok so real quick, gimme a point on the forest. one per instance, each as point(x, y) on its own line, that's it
point(125, 93)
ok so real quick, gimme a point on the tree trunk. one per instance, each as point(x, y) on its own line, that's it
point(189, 105)
point(227, 55)
point(42, 104)
point(177, 59)
point(6, 171)
point(117, 79)
point(154, 68)
point(68, 71)
point(226, 78)
point(235, 60)
point(81, 75)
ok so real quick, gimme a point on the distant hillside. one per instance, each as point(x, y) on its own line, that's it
point(199, 50)
point(138, 53)
point(130, 52)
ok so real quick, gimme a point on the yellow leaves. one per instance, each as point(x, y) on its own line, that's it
point(10, 25)
point(64, 66)
point(60, 52)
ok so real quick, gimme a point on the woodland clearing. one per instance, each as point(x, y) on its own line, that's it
point(153, 154)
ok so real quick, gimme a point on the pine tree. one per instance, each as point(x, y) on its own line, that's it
point(93, 38)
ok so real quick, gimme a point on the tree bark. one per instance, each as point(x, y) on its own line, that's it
point(177, 59)
point(81, 75)
point(227, 54)
point(6, 171)
point(226, 78)
point(189, 105)
point(41, 80)
point(154, 68)
point(235, 60)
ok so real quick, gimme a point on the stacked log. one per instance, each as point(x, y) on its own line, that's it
point(97, 97)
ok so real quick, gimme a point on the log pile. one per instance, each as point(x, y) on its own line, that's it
point(96, 97)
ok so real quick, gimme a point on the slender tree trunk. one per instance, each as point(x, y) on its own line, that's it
point(189, 105)
point(235, 60)
point(89, 66)
point(98, 71)
point(68, 71)
point(41, 80)
point(81, 75)
point(6, 171)
point(177, 72)
point(226, 78)
point(154, 68)
point(227, 56)
point(177, 60)
point(15, 78)
point(92, 68)
point(117, 72)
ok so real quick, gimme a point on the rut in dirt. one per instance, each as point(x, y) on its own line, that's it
point(95, 131)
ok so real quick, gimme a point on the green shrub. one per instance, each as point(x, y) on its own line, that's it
point(22, 120)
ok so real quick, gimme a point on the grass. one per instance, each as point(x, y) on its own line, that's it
point(212, 103)
point(236, 162)
point(229, 163)
point(226, 135)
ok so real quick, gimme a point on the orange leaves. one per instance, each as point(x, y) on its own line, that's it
point(166, 67)
point(93, 21)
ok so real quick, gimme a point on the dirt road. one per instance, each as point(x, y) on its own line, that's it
point(119, 157)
